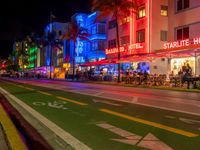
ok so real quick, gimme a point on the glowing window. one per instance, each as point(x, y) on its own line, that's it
point(125, 20)
point(164, 10)
point(141, 12)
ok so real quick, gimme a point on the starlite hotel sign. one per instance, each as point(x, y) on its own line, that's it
point(182, 43)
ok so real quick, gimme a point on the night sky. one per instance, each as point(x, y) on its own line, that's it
point(19, 18)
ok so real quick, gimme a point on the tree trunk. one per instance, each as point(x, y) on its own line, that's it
point(50, 60)
point(118, 47)
point(73, 61)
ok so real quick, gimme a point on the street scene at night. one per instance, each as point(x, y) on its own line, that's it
point(100, 74)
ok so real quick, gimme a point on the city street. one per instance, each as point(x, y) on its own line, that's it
point(103, 116)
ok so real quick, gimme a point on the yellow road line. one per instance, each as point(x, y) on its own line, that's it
point(45, 93)
point(29, 88)
point(11, 133)
point(19, 85)
point(150, 123)
point(72, 101)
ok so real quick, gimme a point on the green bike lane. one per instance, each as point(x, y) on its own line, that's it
point(104, 124)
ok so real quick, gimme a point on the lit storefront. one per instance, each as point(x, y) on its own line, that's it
point(182, 53)
point(178, 63)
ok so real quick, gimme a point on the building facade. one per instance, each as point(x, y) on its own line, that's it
point(163, 35)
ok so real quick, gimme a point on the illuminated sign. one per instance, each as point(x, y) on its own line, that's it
point(131, 49)
point(182, 43)
point(114, 50)
point(79, 59)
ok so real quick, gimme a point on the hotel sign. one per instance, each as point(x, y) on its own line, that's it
point(182, 43)
point(130, 49)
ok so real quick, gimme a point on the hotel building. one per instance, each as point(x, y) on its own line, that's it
point(162, 37)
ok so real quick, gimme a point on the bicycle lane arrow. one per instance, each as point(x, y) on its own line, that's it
point(149, 141)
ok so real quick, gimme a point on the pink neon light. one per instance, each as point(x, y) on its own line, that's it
point(148, 36)
point(114, 50)
point(182, 43)
point(131, 49)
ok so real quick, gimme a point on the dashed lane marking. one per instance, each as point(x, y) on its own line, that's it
point(72, 101)
point(150, 123)
point(45, 93)
point(30, 89)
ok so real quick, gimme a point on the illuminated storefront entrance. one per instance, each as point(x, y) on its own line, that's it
point(178, 63)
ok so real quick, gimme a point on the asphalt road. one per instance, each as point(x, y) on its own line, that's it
point(89, 118)
point(187, 102)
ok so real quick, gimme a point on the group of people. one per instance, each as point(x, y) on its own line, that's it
point(185, 71)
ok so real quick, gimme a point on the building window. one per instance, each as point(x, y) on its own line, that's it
point(163, 35)
point(93, 29)
point(182, 33)
point(112, 43)
point(182, 4)
point(112, 24)
point(101, 29)
point(98, 45)
point(141, 12)
point(124, 40)
point(140, 36)
point(164, 10)
point(60, 32)
point(101, 45)
point(124, 20)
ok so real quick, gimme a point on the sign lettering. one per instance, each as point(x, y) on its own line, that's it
point(182, 43)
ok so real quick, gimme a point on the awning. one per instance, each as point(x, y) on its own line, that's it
point(180, 53)
point(101, 62)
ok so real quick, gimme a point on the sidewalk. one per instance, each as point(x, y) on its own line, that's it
point(181, 89)
point(3, 144)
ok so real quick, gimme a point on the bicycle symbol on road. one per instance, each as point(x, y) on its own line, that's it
point(54, 104)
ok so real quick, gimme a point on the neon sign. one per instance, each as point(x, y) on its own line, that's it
point(131, 49)
point(182, 43)
point(114, 50)
point(135, 46)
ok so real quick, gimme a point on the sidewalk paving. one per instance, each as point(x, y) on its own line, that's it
point(3, 143)
point(172, 88)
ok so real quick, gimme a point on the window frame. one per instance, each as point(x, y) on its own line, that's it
point(138, 40)
point(181, 30)
point(162, 10)
point(143, 9)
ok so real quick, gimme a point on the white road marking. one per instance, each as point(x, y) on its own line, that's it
point(153, 143)
point(135, 99)
point(149, 141)
point(105, 102)
point(68, 138)
point(170, 117)
point(189, 121)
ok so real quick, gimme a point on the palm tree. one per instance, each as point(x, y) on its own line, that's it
point(50, 40)
point(75, 32)
point(118, 9)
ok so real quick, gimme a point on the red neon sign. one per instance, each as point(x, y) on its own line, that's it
point(182, 43)
point(129, 50)
point(114, 50)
